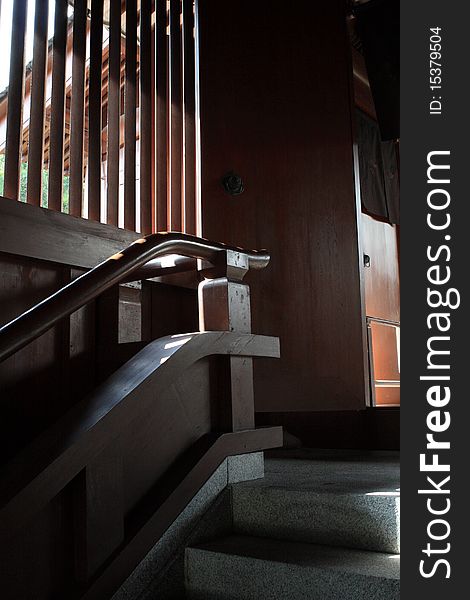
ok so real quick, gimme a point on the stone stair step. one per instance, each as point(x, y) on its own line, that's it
point(252, 568)
point(350, 503)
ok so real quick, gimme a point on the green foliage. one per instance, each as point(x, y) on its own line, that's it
point(45, 184)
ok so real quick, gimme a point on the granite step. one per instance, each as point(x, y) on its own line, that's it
point(252, 568)
point(351, 502)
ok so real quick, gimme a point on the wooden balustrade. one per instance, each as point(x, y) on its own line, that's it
point(121, 464)
point(104, 114)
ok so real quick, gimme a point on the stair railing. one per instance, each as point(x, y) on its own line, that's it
point(37, 320)
point(83, 447)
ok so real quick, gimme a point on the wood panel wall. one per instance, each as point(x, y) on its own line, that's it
point(276, 102)
point(40, 251)
point(32, 384)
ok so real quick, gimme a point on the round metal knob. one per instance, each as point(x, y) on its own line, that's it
point(233, 184)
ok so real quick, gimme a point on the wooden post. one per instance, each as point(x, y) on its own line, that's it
point(99, 512)
point(107, 332)
point(224, 305)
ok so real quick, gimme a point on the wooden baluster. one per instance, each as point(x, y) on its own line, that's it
point(189, 119)
point(114, 100)
point(94, 111)
point(36, 127)
point(77, 114)
point(14, 133)
point(176, 117)
point(145, 117)
point(130, 115)
point(153, 83)
point(56, 130)
point(224, 305)
point(162, 117)
point(98, 511)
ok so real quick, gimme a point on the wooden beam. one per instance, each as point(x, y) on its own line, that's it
point(56, 237)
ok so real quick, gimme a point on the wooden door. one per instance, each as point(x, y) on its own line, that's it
point(382, 297)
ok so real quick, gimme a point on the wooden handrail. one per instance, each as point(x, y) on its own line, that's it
point(37, 320)
point(127, 458)
point(84, 447)
point(38, 473)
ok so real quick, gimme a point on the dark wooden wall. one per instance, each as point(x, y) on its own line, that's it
point(276, 100)
point(35, 383)
point(40, 251)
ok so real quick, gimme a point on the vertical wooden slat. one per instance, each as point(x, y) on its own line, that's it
point(130, 116)
point(94, 111)
point(153, 169)
point(77, 109)
point(176, 117)
point(56, 136)
point(145, 117)
point(161, 118)
point(14, 133)
point(189, 119)
point(36, 125)
point(114, 98)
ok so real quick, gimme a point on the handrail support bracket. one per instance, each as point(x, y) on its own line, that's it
point(224, 305)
